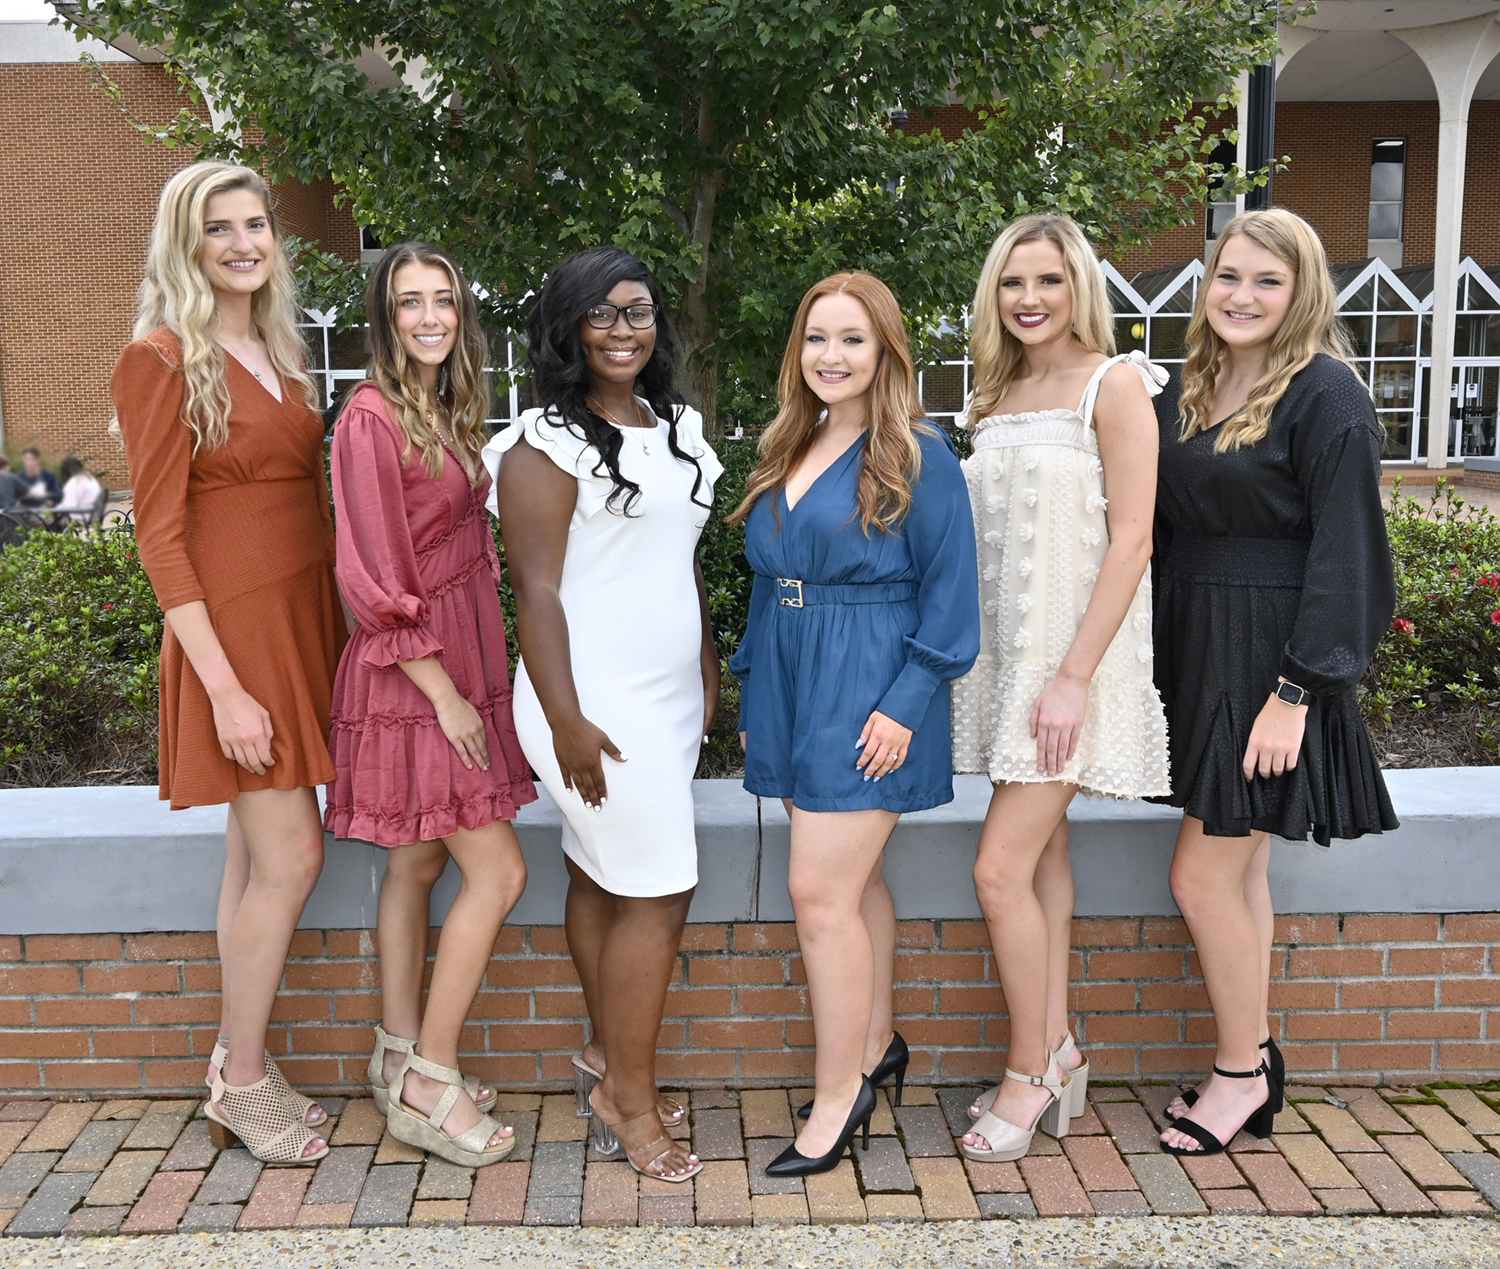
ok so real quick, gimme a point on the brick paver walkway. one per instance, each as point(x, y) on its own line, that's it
point(147, 1166)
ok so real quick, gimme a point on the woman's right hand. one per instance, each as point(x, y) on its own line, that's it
point(244, 729)
point(464, 728)
point(578, 746)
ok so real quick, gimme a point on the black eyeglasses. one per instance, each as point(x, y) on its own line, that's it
point(603, 316)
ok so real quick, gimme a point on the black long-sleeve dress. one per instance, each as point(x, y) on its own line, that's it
point(1273, 560)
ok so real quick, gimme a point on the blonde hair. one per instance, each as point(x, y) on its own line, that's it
point(893, 458)
point(463, 387)
point(995, 352)
point(177, 294)
point(1311, 326)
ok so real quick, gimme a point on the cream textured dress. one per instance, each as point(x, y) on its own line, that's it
point(1037, 487)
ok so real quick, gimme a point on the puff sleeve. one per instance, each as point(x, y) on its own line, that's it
point(376, 560)
point(147, 388)
point(939, 531)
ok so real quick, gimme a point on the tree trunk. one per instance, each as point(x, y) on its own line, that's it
point(696, 327)
point(698, 368)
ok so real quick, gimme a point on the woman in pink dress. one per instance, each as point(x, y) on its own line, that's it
point(423, 742)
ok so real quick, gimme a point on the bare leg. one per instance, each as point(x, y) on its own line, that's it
point(283, 835)
point(878, 911)
point(589, 914)
point(1209, 877)
point(402, 920)
point(1053, 884)
point(833, 856)
point(494, 875)
point(1021, 824)
point(635, 963)
point(1258, 900)
point(231, 891)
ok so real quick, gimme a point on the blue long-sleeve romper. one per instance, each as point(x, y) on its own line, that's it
point(886, 621)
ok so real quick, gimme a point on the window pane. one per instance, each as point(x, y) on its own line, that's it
point(1469, 336)
point(1130, 334)
point(1390, 300)
point(1385, 182)
point(1362, 301)
point(1385, 220)
point(1396, 336)
point(1359, 334)
point(1396, 442)
point(1168, 338)
point(349, 348)
point(1393, 384)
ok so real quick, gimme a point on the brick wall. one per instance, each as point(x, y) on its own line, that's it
point(1366, 997)
point(78, 191)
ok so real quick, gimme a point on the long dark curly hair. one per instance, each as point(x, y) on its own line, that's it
point(555, 350)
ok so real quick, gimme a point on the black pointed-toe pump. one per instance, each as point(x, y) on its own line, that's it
point(897, 1055)
point(791, 1163)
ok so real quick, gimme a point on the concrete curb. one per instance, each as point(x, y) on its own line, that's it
point(114, 859)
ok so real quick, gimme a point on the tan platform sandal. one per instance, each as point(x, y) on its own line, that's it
point(375, 1074)
point(261, 1117)
point(584, 1079)
point(1005, 1141)
point(471, 1148)
point(607, 1142)
point(304, 1108)
point(1078, 1082)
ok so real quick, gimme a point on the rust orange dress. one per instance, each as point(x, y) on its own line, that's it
point(245, 528)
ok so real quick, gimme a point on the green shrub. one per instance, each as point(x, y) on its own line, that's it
point(79, 637)
point(80, 633)
point(1445, 639)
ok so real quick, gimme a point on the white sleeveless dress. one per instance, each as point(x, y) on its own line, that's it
point(1037, 487)
point(636, 635)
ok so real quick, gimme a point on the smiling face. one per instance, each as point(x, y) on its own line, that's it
point(1249, 295)
point(426, 314)
point(617, 355)
point(1035, 296)
point(840, 351)
point(238, 244)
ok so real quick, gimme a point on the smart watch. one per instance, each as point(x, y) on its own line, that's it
point(1291, 694)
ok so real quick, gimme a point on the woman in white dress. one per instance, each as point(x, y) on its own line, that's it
point(602, 495)
point(1061, 697)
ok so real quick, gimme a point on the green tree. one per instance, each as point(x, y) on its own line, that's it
point(743, 148)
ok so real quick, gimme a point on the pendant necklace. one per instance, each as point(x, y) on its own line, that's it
point(645, 444)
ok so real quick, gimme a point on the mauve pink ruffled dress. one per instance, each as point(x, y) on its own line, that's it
point(417, 565)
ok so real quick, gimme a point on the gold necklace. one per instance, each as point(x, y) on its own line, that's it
point(639, 427)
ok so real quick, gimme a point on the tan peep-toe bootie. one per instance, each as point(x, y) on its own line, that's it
point(303, 1108)
point(258, 1115)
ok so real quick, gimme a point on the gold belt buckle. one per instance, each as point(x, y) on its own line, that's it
point(790, 601)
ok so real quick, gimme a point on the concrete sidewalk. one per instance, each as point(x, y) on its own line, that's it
point(1151, 1242)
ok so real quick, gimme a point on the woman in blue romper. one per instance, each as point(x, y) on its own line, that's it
point(865, 605)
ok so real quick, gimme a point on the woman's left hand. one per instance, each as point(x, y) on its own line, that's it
point(1275, 739)
point(885, 743)
point(1057, 722)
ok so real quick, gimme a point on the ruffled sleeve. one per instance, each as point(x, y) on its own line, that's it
point(377, 563)
point(1349, 588)
point(690, 440)
point(939, 530)
point(569, 451)
point(147, 388)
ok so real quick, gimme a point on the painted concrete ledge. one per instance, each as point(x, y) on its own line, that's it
point(86, 860)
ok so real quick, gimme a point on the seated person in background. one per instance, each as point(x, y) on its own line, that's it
point(11, 485)
point(80, 489)
point(42, 489)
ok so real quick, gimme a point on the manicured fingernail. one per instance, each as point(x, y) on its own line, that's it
point(603, 801)
point(877, 779)
point(867, 779)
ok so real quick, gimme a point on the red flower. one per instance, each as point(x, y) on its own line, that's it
point(1495, 617)
point(1492, 580)
point(1405, 627)
point(107, 607)
point(1454, 573)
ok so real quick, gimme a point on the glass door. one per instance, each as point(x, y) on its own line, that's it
point(1473, 404)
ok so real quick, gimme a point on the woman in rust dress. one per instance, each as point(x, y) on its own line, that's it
point(427, 756)
point(231, 512)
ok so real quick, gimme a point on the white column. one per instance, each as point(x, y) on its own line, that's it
point(1456, 55)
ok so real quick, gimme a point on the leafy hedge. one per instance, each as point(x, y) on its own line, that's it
point(80, 630)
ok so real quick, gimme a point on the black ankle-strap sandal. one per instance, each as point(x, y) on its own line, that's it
point(1277, 1068)
point(1257, 1125)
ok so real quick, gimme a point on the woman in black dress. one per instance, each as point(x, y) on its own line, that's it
point(1273, 586)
